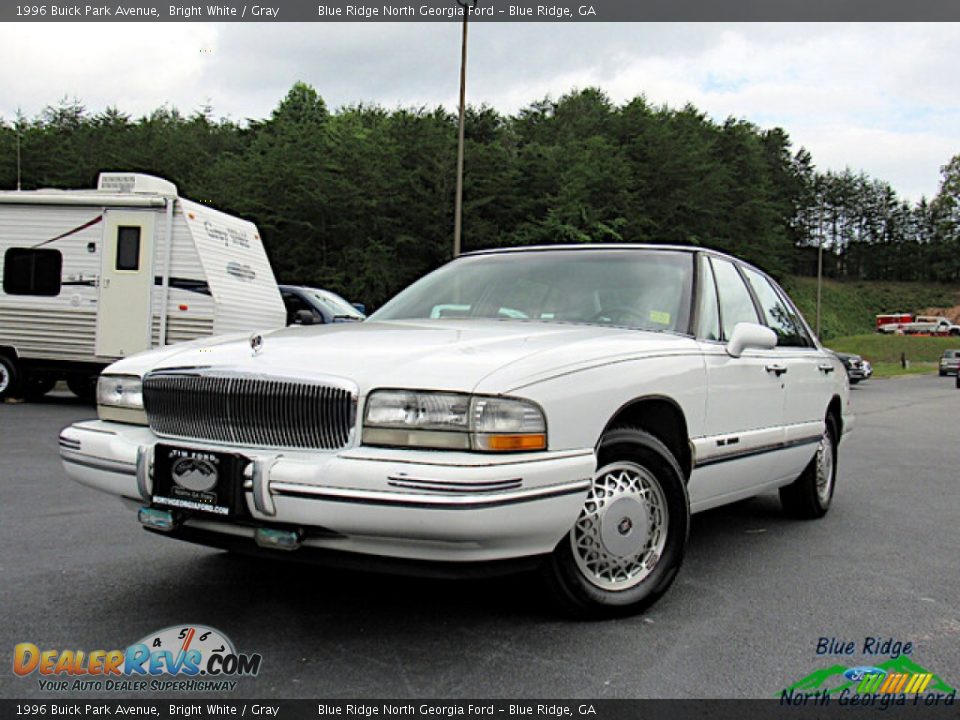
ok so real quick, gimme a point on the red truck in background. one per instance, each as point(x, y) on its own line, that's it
point(893, 321)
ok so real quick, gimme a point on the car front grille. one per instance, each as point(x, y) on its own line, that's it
point(249, 410)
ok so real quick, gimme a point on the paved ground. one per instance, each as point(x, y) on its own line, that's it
point(743, 619)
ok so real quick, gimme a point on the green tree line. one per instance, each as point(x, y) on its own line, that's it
point(360, 200)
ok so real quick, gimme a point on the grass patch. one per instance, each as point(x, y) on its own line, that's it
point(850, 307)
point(888, 369)
point(882, 348)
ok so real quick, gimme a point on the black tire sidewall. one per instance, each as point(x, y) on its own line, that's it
point(635, 446)
point(830, 427)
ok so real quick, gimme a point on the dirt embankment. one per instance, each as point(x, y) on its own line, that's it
point(951, 313)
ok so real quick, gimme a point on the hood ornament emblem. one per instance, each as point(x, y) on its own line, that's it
point(256, 343)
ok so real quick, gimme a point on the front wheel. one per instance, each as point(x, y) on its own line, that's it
point(810, 495)
point(627, 545)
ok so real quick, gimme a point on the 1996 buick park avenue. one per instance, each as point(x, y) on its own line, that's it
point(561, 407)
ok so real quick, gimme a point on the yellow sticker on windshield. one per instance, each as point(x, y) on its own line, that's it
point(660, 317)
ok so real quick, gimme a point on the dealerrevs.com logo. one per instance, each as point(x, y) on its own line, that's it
point(186, 658)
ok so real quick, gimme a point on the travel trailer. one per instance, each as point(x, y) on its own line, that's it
point(90, 276)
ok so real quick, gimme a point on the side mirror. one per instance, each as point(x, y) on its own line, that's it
point(304, 317)
point(360, 307)
point(750, 335)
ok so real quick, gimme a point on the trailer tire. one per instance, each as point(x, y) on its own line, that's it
point(36, 386)
point(9, 378)
point(83, 386)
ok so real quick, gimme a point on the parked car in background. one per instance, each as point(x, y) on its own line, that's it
point(313, 306)
point(857, 368)
point(950, 362)
point(571, 412)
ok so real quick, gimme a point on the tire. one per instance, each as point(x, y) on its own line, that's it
point(809, 496)
point(943, 373)
point(590, 578)
point(83, 386)
point(36, 386)
point(854, 381)
point(9, 378)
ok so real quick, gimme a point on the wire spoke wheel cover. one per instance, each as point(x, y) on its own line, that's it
point(825, 469)
point(622, 530)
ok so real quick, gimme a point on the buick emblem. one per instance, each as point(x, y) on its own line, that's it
point(194, 474)
point(256, 343)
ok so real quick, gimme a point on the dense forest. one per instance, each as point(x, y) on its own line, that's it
point(360, 199)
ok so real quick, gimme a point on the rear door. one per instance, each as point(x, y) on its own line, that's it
point(808, 378)
point(126, 283)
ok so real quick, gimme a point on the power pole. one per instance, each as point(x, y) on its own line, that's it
point(458, 202)
point(19, 131)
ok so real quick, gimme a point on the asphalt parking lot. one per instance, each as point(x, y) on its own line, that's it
point(756, 593)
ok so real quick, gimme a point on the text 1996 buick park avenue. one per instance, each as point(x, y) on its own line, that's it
point(565, 407)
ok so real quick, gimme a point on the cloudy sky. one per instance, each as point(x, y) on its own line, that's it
point(875, 97)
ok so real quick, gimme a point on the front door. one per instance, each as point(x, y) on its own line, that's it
point(746, 396)
point(126, 282)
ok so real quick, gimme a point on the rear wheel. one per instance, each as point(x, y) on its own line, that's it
point(810, 495)
point(627, 545)
point(9, 378)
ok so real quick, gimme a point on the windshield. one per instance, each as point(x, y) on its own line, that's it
point(643, 289)
point(334, 304)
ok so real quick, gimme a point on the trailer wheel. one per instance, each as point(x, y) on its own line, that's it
point(9, 377)
point(36, 386)
point(83, 386)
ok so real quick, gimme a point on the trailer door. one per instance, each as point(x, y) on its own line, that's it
point(126, 282)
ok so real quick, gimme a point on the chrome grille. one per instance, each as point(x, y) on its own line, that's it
point(249, 410)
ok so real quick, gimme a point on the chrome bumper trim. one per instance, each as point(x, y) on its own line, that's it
point(427, 502)
point(97, 463)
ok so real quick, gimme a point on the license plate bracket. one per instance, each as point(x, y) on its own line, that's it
point(198, 481)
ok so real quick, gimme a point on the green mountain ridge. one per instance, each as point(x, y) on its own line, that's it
point(819, 680)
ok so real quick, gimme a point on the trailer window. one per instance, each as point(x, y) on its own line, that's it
point(32, 272)
point(128, 247)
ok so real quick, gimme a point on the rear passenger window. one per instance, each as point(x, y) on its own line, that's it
point(777, 314)
point(32, 272)
point(736, 305)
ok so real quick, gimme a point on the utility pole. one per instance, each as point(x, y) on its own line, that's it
point(458, 202)
point(19, 131)
point(819, 264)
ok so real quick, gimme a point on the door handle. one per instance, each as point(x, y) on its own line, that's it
point(826, 368)
point(777, 370)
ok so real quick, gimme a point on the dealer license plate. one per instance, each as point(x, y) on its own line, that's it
point(198, 480)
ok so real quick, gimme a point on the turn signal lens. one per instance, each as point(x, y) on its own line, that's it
point(511, 443)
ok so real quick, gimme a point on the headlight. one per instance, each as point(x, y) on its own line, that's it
point(120, 398)
point(453, 421)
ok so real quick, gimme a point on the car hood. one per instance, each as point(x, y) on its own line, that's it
point(464, 355)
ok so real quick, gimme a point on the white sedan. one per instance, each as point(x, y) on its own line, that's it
point(560, 407)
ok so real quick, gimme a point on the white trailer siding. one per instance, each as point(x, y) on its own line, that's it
point(237, 269)
point(61, 327)
point(213, 279)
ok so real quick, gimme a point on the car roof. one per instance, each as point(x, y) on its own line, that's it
point(602, 246)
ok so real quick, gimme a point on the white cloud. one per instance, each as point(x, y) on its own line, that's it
point(877, 97)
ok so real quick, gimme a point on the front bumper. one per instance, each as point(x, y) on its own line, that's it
point(415, 505)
